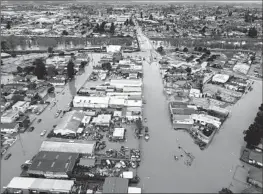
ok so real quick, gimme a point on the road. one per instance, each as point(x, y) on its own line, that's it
point(212, 168)
point(30, 142)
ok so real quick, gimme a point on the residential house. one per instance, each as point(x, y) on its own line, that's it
point(9, 116)
point(255, 177)
point(21, 106)
point(206, 119)
point(9, 128)
point(195, 93)
point(255, 158)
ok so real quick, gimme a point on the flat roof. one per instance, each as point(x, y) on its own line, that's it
point(74, 147)
point(41, 184)
point(115, 185)
point(53, 162)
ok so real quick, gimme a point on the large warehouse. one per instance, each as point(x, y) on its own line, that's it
point(58, 145)
point(53, 164)
point(70, 123)
point(25, 185)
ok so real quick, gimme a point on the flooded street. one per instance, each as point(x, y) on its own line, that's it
point(212, 168)
point(30, 142)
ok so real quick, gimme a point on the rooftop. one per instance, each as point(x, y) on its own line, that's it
point(41, 184)
point(81, 147)
point(115, 185)
point(54, 162)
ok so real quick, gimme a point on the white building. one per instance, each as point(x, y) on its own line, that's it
point(9, 127)
point(21, 106)
point(206, 119)
point(9, 116)
point(91, 102)
point(102, 120)
point(195, 93)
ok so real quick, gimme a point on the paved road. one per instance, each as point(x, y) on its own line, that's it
point(212, 168)
point(30, 142)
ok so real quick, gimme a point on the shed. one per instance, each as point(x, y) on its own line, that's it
point(119, 133)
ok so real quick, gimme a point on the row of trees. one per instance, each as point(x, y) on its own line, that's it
point(101, 27)
point(40, 70)
point(254, 134)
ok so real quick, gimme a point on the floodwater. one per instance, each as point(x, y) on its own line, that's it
point(213, 168)
point(30, 142)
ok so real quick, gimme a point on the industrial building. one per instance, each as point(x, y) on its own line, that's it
point(39, 185)
point(53, 164)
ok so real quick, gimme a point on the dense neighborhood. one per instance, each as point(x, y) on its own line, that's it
point(101, 98)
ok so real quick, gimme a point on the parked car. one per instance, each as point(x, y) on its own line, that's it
point(43, 133)
point(31, 129)
point(39, 120)
point(58, 113)
point(8, 156)
point(3, 151)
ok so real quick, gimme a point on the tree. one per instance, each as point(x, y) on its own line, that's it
point(32, 86)
point(50, 49)
point(252, 137)
point(101, 29)
point(19, 69)
point(126, 22)
point(141, 14)
point(160, 49)
point(208, 52)
point(61, 53)
point(40, 69)
point(252, 32)
point(112, 28)
point(51, 71)
point(200, 49)
point(225, 191)
point(83, 64)
point(106, 66)
point(151, 17)
point(70, 69)
point(8, 25)
point(64, 33)
point(4, 46)
point(131, 22)
point(185, 49)
point(188, 70)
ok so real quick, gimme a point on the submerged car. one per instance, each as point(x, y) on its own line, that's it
point(39, 120)
point(31, 129)
point(8, 156)
point(58, 113)
point(43, 133)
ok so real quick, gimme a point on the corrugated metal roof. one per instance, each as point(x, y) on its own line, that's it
point(115, 185)
point(76, 147)
point(41, 184)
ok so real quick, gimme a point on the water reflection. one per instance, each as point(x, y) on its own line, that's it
point(72, 87)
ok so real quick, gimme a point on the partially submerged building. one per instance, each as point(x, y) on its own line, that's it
point(25, 185)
